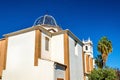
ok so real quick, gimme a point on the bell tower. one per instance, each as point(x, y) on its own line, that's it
point(88, 47)
point(88, 57)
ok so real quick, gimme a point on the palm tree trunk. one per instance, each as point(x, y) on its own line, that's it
point(104, 57)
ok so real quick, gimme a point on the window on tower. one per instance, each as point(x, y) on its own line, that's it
point(46, 43)
point(86, 47)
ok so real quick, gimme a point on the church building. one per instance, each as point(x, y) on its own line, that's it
point(45, 52)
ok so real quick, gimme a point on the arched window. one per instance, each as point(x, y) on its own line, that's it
point(86, 47)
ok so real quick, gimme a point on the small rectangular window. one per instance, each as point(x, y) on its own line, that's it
point(75, 43)
point(46, 43)
point(76, 48)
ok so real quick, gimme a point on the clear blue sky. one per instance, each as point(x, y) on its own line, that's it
point(85, 18)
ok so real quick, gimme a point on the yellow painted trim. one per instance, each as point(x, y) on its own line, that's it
point(37, 46)
point(66, 56)
point(3, 55)
point(87, 63)
point(83, 59)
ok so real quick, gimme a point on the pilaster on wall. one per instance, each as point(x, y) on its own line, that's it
point(91, 63)
point(5, 52)
point(88, 63)
point(3, 55)
point(83, 59)
point(66, 56)
point(37, 46)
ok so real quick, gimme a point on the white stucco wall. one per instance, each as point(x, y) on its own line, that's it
point(44, 53)
point(76, 65)
point(80, 62)
point(57, 46)
point(45, 70)
point(20, 60)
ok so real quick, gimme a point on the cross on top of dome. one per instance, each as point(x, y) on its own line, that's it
point(45, 20)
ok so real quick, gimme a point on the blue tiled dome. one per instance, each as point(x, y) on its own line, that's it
point(45, 20)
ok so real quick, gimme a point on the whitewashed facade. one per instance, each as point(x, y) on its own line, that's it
point(43, 52)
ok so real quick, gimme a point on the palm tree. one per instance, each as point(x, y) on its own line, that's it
point(104, 47)
point(99, 61)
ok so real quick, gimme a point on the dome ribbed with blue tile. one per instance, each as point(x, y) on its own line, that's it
point(45, 20)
